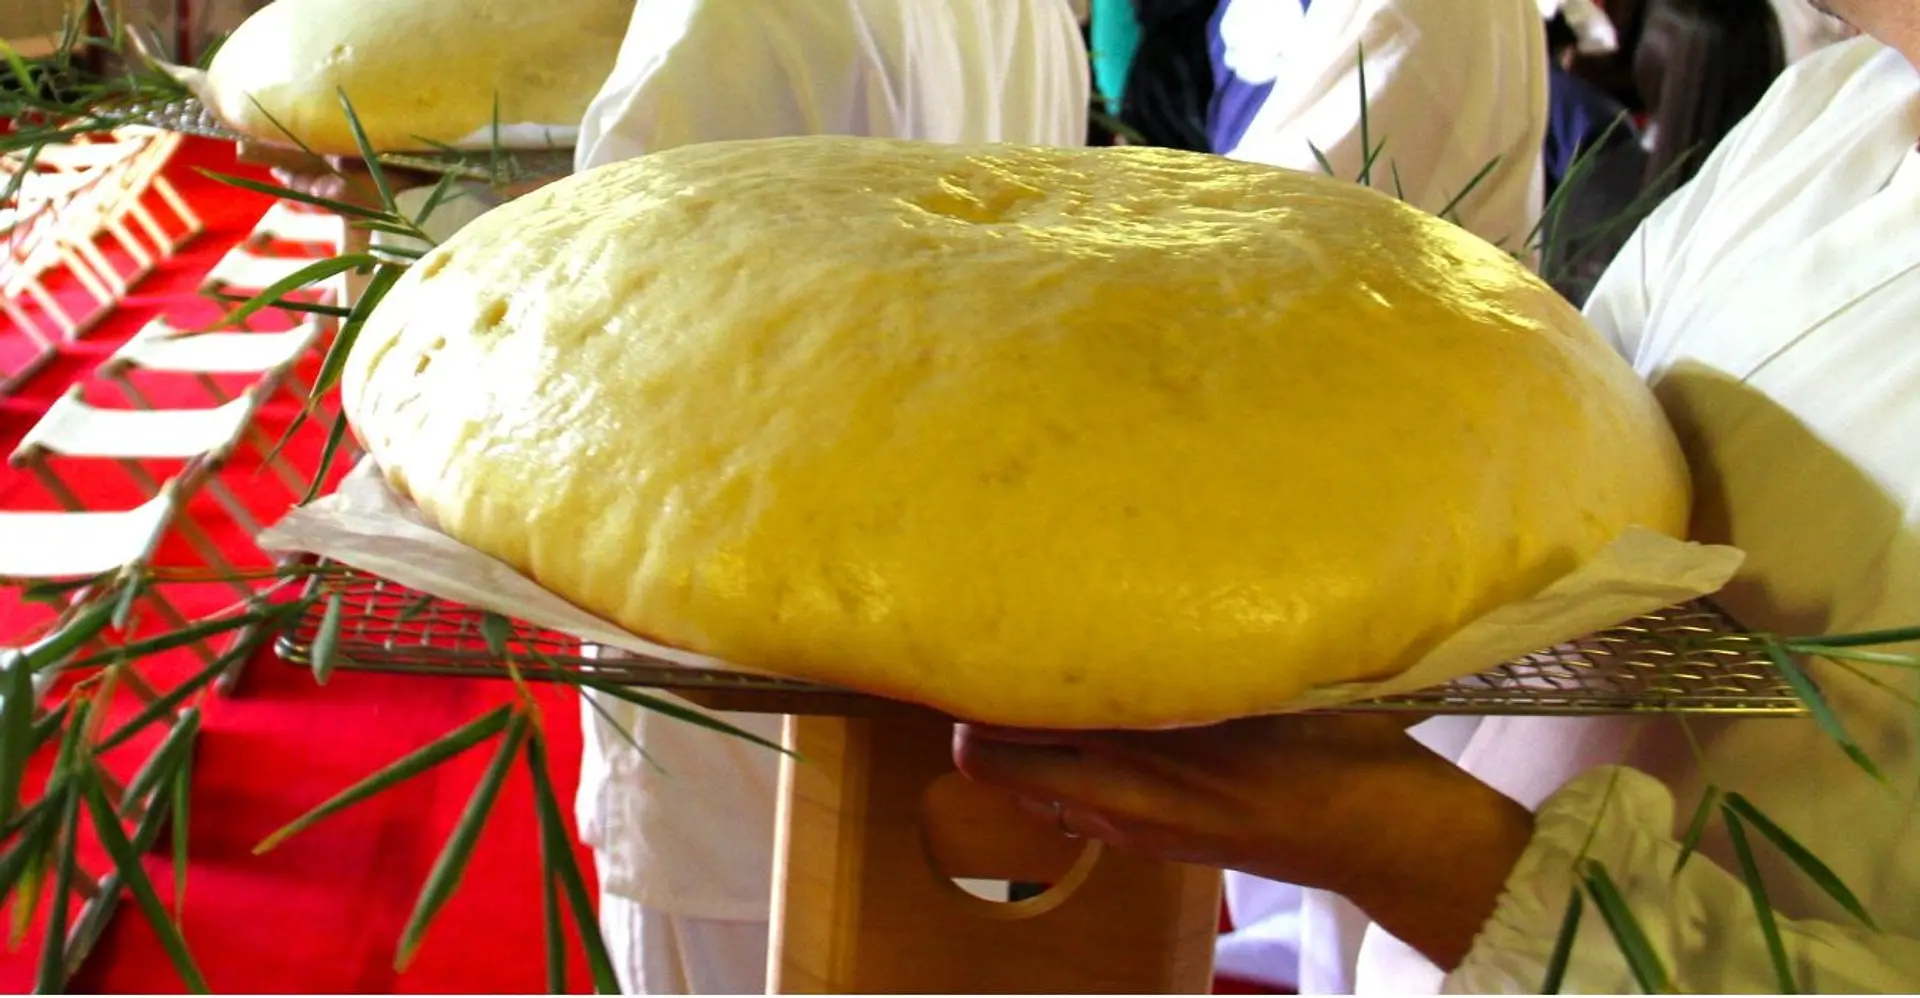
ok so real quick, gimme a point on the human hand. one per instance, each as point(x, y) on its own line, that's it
point(1346, 803)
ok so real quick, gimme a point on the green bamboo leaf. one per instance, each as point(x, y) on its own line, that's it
point(21, 71)
point(384, 276)
point(1467, 191)
point(345, 209)
point(677, 712)
point(163, 762)
point(1562, 953)
point(308, 308)
point(60, 645)
point(1852, 654)
point(1891, 636)
point(498, 632)
point(1802, 857)
point(287, 133)
point(132, 586)
point(550, 920)
point(554, 827)
point(35, 837)
point(444, 879)
point(1326, 164)
point(368, 154)
point(190, 635)
point(446, 747)
point(1762, 908)
point(1367, 151)
point(311, 274)
point(435, 198)
point(410, 254)
point(167, 702)
point(1696, 828)
point(1823, 714)
point(1642, 959)
point(328, 639)
point(133, 876)
point(182, 816)
point(52, 977)
point(415, 608)
point(16, 732)
point(329, 452)
point(58, 591)
point(1399, 189)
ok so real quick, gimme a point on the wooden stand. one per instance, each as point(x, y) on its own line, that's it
point(874, 825)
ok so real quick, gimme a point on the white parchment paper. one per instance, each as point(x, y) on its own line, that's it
point(365, 525)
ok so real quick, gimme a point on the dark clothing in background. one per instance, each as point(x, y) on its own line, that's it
point(1170, 82)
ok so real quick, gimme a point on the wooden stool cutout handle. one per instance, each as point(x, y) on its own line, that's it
point(865, 903)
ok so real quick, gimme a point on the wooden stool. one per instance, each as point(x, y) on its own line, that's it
point(875, 823)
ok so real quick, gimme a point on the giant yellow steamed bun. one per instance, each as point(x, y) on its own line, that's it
point(418, 72)
point(1060, 438)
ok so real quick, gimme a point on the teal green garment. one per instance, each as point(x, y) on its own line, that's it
point(1115, 36)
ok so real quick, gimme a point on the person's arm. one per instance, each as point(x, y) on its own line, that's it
point(1701, 923)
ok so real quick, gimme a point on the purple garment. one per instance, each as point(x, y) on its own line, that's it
point(1235, 101)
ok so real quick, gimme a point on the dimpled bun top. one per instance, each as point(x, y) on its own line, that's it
point(1048, 437)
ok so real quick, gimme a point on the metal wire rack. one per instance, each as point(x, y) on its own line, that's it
point(1689, 659)
point(188, 116)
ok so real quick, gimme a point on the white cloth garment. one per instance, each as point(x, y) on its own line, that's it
point(1443, 119)
point(688, 837)
point(1772, 304)
point(1448, 94)
point(1804, 30)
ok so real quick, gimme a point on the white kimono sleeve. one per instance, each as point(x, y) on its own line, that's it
point(693, 71)
point(1701, 922)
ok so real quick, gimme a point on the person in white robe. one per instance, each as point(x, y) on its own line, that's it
point(1771, 303)
point(1448, 95)
point(684, 840)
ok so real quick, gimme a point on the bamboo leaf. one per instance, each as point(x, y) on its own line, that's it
point(190, 635)
point(688, 714)
point(58, 591)
point(1823, 714)
point(133, 875)
point(328, 639)
point(1562, 953)
point(52, 977)
point(1467, 191)
point(498, 632)
point(16, 732)
point(308, 308)
point(1802, 857)
point(165, 703)
point(35, 836)
point(343, 208)
point(454, 856)
point(182, 816)
point(1891, 636)
point(60, 645)
point(131, 587)
point(312, 273)
point(287, 133)
point(1696, 828)
point(1321, 158)
point(550, 919)
point(467, 736)
point(384, 276)
point(1367, 152)
point(1762, 908)
point(554, 829)
point(414, 609)
point(1642, 960)
point(162, 763)
point(21, 71)
point(336, 433)
point(1852, 654)
point(367, 153)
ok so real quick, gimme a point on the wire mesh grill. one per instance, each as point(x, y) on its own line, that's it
point(1690, 659)
point(188, 116)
